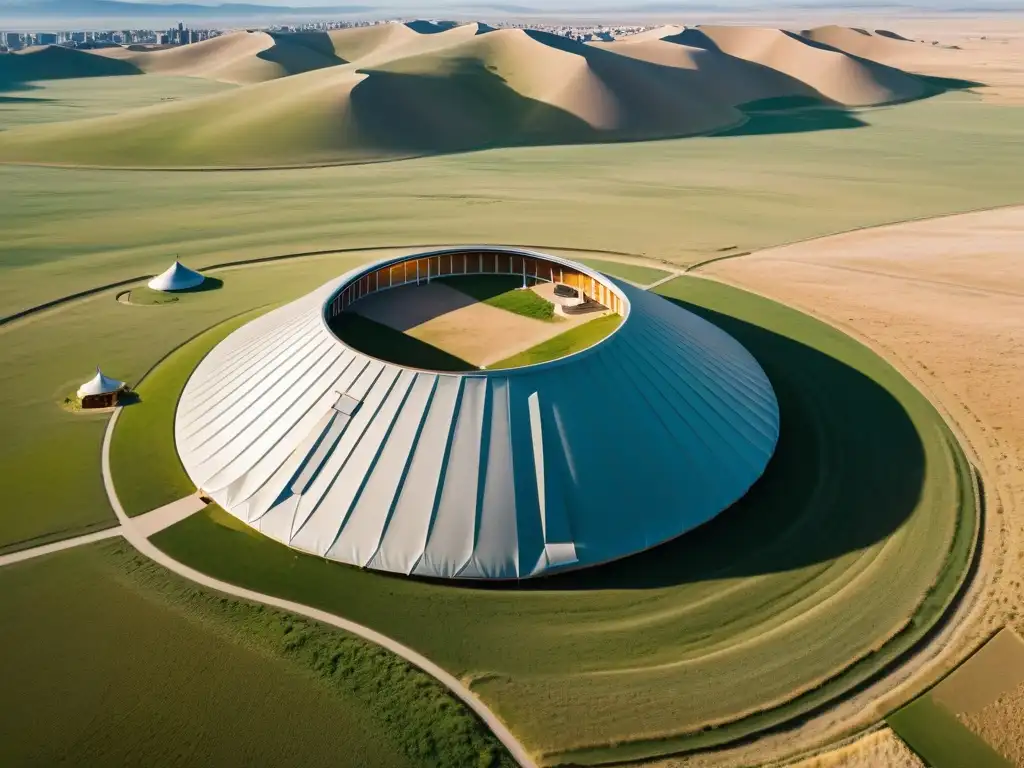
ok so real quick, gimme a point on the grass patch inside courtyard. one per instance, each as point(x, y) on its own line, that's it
point(579, 338)
point(614, 663)
point(504, 292)
point(135, 666)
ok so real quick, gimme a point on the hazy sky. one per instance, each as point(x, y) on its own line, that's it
point(440, 7)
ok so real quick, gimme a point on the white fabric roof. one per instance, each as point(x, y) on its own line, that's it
point(99, 385)
point(484, 474)
point(176, 277)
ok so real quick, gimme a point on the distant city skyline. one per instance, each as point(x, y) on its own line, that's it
point(98, 15)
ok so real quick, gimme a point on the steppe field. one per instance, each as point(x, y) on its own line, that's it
point(857, 226)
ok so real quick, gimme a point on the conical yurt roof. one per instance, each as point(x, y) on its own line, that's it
point(99, 385)
point(176, 277)
point(504, 473)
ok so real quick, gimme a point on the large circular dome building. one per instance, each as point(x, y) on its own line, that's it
point(481, 474)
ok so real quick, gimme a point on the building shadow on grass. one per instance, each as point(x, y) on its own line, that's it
point(209, 284)
point(847, 473)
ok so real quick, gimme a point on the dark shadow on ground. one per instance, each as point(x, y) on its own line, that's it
point(298, 52)
point(410, 305)
point(24, 99)
point(384, 343)
point(945, 84)
point(129, 398)
point(484, 287)
point(424, 27)
point(846, 474)
point(209, 284)
point(796, 121)
point(58, 63)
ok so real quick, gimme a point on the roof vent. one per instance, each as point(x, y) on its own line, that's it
point(347, 404)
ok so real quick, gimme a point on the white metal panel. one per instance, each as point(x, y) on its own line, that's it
point(496, 551)
point(369, 519)
point(352, 478)
point(453, 530)
point(409, 526)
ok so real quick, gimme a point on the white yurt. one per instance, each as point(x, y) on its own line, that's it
point(100, 391)
point(176, 277)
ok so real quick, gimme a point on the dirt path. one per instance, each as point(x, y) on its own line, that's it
point(944, 301)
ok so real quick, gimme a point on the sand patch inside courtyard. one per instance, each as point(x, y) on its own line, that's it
point(455, 322)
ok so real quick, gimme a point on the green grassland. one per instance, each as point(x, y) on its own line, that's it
point(51, 480)
point(47, 101)
point(549, 659)
point(812, 583)
point(940, 739)
point(579, 338)
point(385, 343)
point(632, 272)
point(504, 292)
point(680, 200)
point(130, 665)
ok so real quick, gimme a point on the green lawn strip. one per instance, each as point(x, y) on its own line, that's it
point(632, 272)
point(143, 460)
point(580, 337)
point(135, 663)
point(504, 292)
point(940, 739)
point(750, 573)
point(385, 343)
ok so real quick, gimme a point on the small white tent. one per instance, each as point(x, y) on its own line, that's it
point(99, 385)
point(176, 277)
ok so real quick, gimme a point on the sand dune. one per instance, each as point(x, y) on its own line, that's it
point(611, 94)
point(653, 34)
point(238, 57)
point(390, 91)
point(52, 62)
point(893, 50)
point(369, 46)
point(750, 64)
point(733, 80)
point(880, 45)
point(835, 74)
point(504, 87)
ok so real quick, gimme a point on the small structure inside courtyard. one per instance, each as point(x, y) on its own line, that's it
point(176, 277)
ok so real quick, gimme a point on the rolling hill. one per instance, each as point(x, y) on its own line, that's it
point(238, 57)
point(402, 90)
point(750, 64)
point(54, 63)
